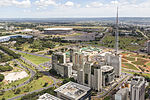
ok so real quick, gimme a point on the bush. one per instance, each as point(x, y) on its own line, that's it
point(17, 91)
point(1, 77)
point(10, 52)
point(5, 68)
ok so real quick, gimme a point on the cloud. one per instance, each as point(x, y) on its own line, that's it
point(94, 5)
point(45, 3)
point(69, 4)
point(23, 3)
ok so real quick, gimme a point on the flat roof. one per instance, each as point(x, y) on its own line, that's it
point(106, 68)
point(53, 29)
point(47, 96)
point(137, 81)
point(73, 90)
point(123, 91)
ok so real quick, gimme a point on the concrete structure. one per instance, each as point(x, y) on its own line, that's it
point(7, 38)
point(122, 94)
point(59, 64)
point(57, 31)
point(47, 96)
point(115, 61)
point(148, 47)
point(95, 75)
point(137, 88)
point(73, 91)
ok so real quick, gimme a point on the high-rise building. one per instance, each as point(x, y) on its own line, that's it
point(115, 61)
point(95, 75)
point(137, 88)
point(60, 66)
point(122, 94)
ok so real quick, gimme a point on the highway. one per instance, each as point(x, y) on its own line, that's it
point(31, 53)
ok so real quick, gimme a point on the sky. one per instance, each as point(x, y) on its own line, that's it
point(73, 8)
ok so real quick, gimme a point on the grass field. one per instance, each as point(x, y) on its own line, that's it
point(140, 61)
point(130, 58)
point(148, 64)
point(35, 59)
point(129, 66)
point(34, 85)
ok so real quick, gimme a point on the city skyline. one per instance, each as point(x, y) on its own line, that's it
point(72, 8)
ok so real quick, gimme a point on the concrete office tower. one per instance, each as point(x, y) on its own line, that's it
point(59, 57)
point(90, 76)
point(108, 75)
point(148, 47)
point(115, 61)
point(79, 60)
point(95, 75)
point(122, 94)
point(137, 88)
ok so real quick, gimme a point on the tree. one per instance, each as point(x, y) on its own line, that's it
point(17, 91)
point(1, 77)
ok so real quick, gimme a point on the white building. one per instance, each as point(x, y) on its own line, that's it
point(122, 94)
point(115, 61)
point(137, 88)
point(47, 96)
point(73, 91)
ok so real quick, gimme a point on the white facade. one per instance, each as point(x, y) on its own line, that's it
point(115, 61)
point(137, 88)
point(122, 94)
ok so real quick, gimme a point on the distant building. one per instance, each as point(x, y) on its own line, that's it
point(58, 31)
point(47, 96)
point(73, 91)
point(148, 47)
point(122, 94)
point(137, 88)
point(7, 38)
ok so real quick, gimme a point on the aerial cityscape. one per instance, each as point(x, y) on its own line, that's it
point(74, 50)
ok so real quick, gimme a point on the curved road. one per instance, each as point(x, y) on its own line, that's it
point(26, 82)
point(54, 84)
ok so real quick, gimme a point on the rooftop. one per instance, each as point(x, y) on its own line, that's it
point(123, 91)
point(106, 68)
point(47, 96)
point(52, 29)
point(137, 81)
point(73, 90)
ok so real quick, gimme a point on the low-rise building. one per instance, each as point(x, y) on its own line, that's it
point(73, 91)
point(47, 96)
point(57, 31)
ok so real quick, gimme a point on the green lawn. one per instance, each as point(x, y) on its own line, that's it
point(34, 85)
point(129, 66)
point(140, 61)
point(130, 58)
point(35, 59)
point(148, 64)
